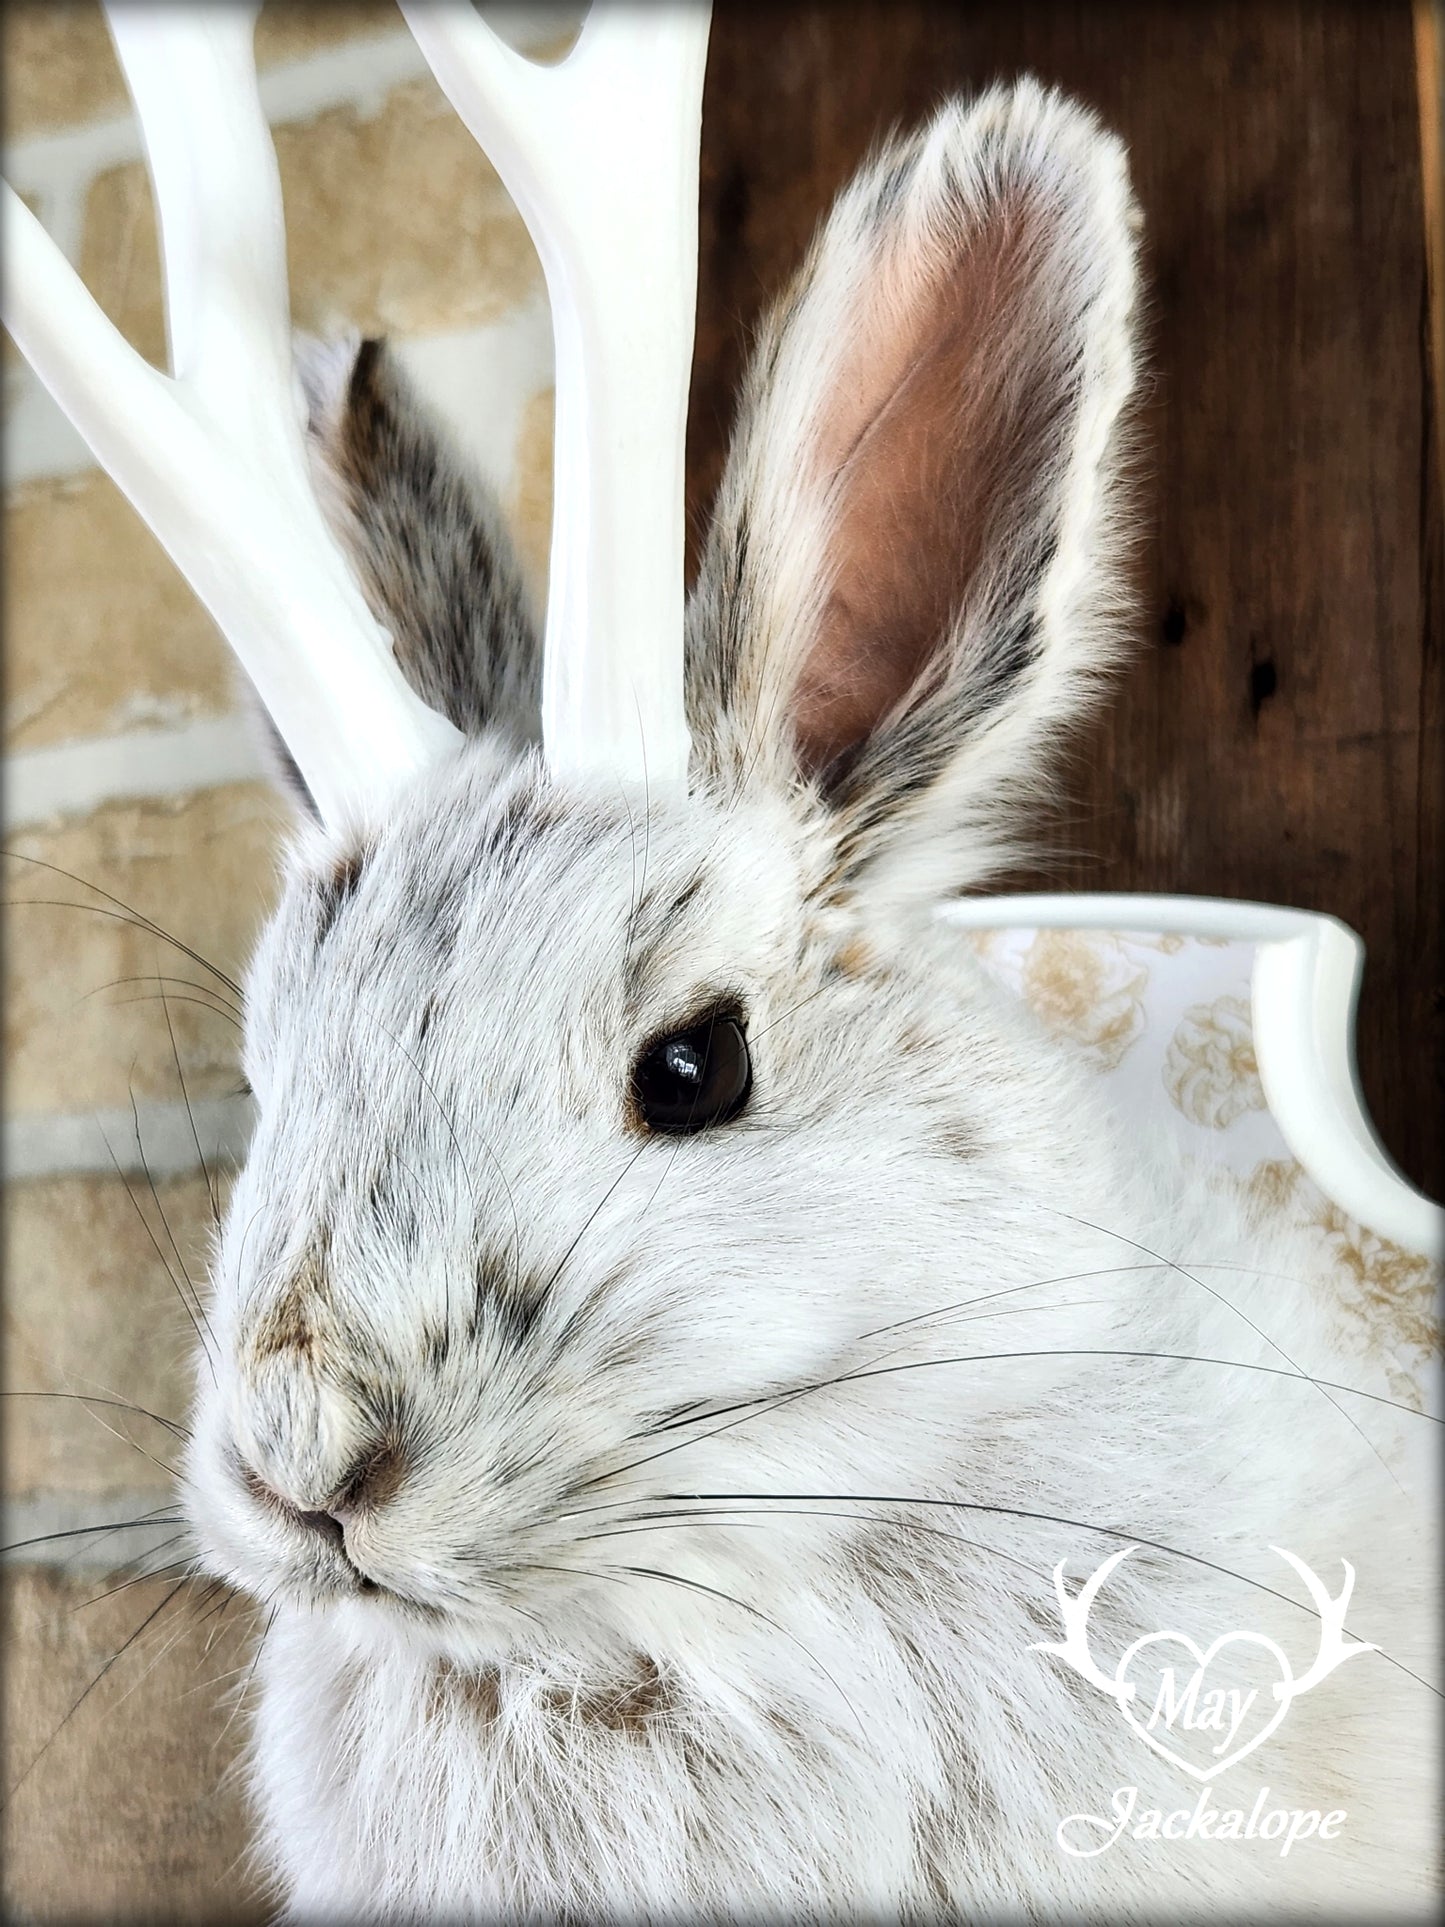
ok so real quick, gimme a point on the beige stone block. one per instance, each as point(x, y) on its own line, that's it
point(60, 67)
point(132, 1813)
point(203, 867)
point(94, 1276)
point(395, 224)
point(290, 29)
point(529, 504)
point(101, 632)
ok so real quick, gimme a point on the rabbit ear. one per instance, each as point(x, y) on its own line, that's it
point(428, 543)
point(908, 584)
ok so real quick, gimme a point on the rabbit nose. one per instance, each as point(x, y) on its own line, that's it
point(329, 1527)
point(369, 1485)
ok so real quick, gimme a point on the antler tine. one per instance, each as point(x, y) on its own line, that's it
point(222, 274)
point(213, 457)
point(1334, 1648)
point(1074, 1612)
point(601, 156)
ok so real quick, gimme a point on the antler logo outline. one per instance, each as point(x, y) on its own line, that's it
point(1334, 1650)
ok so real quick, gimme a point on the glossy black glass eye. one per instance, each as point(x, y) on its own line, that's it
point(695, 1078)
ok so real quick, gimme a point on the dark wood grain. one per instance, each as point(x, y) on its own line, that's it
point(1279, 735)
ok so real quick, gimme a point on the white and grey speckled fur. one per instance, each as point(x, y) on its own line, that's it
point(453, 1256)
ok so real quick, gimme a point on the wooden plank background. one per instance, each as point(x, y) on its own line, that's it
point(1280, 734)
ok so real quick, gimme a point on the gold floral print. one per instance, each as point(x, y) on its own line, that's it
point(1209, 1068)
point(1087, 987)
point(1390, 1293)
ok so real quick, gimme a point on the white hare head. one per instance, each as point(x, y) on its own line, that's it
point(581, 1106)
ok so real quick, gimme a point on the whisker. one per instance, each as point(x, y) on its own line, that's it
point(713, 1592)
point(148, 1621)
point(1103, 1351)
point(193, 1311)
point(216, 1010)
point(983, 1298)
point(754, 1035)
point(245, 1685)
point(760, 1407)
point(222, 1001)
point(160, 1254)
point(132, 915)
point(155, 1518)
point(121, 1404)
point(592, 1216)
point(211, 1191)
point(1229, 1305)
point(709, 1515)
point(135, 1445)
point(1048, 1518)
point(136, 1579)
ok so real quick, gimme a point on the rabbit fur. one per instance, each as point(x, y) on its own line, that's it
point(665, 1595)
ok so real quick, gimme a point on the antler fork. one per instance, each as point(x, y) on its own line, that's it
point(213, 456)
point(1074, 1612)
point(1334, 1648)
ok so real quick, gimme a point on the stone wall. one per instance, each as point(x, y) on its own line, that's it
point(131, 769)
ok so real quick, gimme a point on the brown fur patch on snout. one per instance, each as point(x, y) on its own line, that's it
point(292, 1323)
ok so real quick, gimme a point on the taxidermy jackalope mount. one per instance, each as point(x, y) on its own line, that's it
point(589, 1386)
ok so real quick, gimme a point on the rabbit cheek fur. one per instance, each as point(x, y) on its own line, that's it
point(577, 1657)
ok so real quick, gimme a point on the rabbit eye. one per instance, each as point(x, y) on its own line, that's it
point(694, 1078)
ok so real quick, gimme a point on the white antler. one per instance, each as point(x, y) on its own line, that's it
point(601, 156)
point(1074, 1613)
point(214, 457)
point(1334, 1648)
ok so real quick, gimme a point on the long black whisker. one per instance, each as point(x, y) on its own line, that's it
point(124, 1438)
point(156, 1247)
point(775, 1402)
point(120, 1404)
point(1229, 1305)
point(591, 1217)
point(211, 1191)
point(148, 1621)
point(195, 1306)
point(700, 1515)
point(621, 1574)
point(216, 1010)
point(1008, 1291)
point(132, 915)
point(136, 1579)
point(782, 1018)
point(222, 1001)
point(1113, 1351)
point(81, 1532)
point(1047, 1518)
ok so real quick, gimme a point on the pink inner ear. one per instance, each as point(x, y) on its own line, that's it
point(943, 423)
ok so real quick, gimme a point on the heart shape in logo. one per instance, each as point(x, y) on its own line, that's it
point(1220, 1702)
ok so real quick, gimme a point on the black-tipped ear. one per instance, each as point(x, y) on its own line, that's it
point(428, 542)
point(909, 583)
